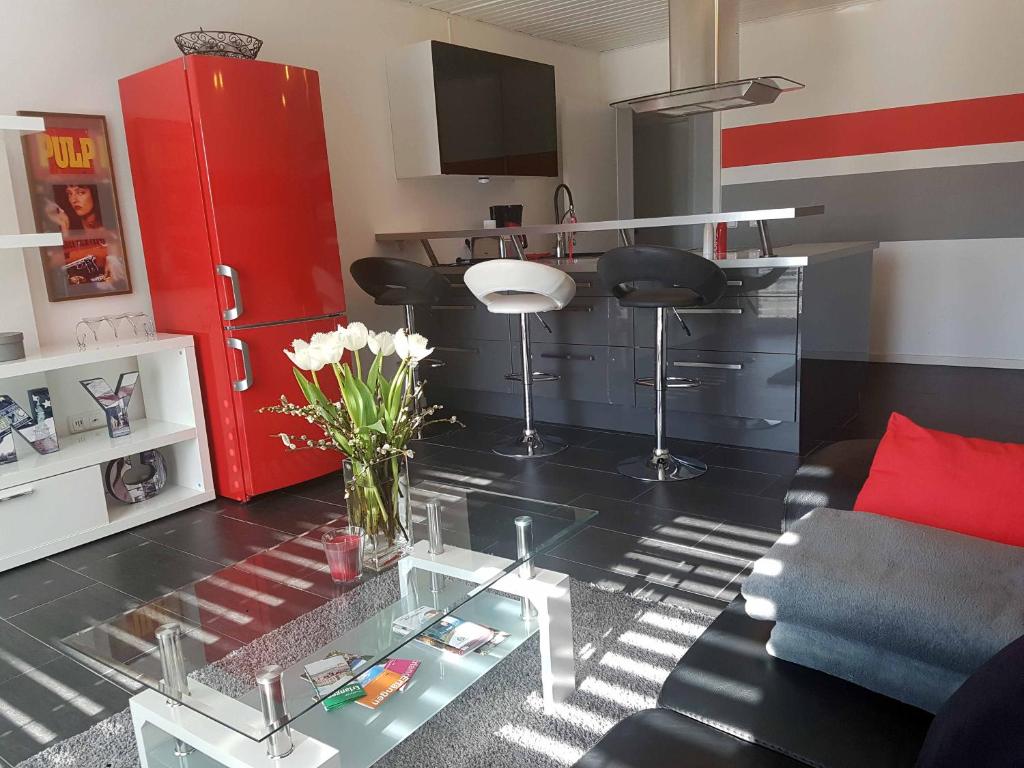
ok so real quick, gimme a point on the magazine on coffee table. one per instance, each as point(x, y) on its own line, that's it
point(326, 675)
point(381, 681)
point(460, 637)
point(371, 688)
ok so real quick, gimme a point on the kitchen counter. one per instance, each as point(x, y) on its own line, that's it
point(780, 357)
point(785, 256)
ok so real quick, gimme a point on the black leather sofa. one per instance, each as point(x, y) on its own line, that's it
point(831, 477)
point(729, 703)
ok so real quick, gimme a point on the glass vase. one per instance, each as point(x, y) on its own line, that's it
point(377, 495)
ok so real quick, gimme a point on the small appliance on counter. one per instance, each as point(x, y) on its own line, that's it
point(12, 346)
point(487, 248)
point(509, 216)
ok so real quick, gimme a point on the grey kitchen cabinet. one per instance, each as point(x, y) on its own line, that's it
point(779, 357)
point(746, 384)
point(739, 323)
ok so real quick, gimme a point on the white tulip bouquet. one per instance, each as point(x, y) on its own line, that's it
point(371, 424)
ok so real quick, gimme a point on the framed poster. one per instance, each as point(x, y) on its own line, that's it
point(73, 192)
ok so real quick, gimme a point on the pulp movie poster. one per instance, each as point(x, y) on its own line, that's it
point(73, 192)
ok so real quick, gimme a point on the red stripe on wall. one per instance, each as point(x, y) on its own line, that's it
point(990, 120)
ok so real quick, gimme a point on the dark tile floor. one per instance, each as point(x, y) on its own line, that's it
point(687, 544)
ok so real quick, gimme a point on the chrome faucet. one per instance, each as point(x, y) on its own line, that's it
point(564, 241)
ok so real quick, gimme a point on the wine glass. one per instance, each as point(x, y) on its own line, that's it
point(92, 324)
point(114, 321)
point(140, 321)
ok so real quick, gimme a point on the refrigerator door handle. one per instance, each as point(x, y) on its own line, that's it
point(236, 292)
point(242, 384)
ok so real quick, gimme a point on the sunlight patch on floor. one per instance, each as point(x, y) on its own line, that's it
point(617, 694)
point(73, 697)
point(673, 624)
point(572, 713)
point(629, 666)
point(36, 731)
point(529, 739)
point(244, 591)
point(280, 578)
point(651, 644)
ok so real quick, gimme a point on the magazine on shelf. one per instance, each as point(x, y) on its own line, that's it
point(414, 620)
point(460, 637)
point(381, 681)
point(371, 687)
point(327, 675)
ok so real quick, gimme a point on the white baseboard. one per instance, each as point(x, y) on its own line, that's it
point(964, 362)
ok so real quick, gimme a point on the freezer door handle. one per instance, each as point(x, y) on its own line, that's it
point(242, 384)
point(231, 274)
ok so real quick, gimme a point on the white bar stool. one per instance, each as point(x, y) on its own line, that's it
point(512, 287)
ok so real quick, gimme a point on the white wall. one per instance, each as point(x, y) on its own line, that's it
point(67, 55)
point(934, 301)
point(635, 71)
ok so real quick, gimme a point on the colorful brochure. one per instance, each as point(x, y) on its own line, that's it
point(458, 636)
point(382, 681)
point(327, 674)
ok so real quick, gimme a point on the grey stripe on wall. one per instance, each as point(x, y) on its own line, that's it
point(953, 203)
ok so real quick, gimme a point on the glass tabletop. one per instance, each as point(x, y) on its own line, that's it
point(280, 607)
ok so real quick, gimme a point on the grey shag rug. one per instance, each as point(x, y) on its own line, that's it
point(625, 648)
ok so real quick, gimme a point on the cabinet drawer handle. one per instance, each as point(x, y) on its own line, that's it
point(582, 284)
point(464, 350)
point(735, 283)
point(578, 308)
point(567, 356)
point(736, 311)
point(722, 366)
point(454, 307)
point(18, 494)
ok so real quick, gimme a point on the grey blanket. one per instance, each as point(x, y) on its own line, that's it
point(939, 598)
point(894, 675)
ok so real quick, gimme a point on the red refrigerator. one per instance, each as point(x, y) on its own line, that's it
point(233, 189)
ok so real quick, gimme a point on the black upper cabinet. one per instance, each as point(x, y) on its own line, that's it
point(461, 111)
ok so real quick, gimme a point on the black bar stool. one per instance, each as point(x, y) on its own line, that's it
point(659, 277)
point(401, 283)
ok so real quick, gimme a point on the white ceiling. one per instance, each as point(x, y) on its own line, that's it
point(601, 25)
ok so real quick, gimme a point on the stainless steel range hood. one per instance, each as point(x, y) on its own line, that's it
point(704, 65)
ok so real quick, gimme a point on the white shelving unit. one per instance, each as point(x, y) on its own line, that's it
point(22, 123)
point(16, 312)
point(32, 240)
point(55, 502)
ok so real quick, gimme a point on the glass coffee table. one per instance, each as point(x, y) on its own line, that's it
point(222, 662)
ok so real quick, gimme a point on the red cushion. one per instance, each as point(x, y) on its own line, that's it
point(962, 484)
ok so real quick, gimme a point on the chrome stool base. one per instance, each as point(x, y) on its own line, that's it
point(662, 469)
point(533, 446)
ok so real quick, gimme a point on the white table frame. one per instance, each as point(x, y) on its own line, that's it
point(546, 591)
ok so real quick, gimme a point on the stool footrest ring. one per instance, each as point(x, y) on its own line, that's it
point(671, 382)
point(538, 377)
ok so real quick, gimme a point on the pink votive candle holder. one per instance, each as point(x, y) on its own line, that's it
point(344, 550)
